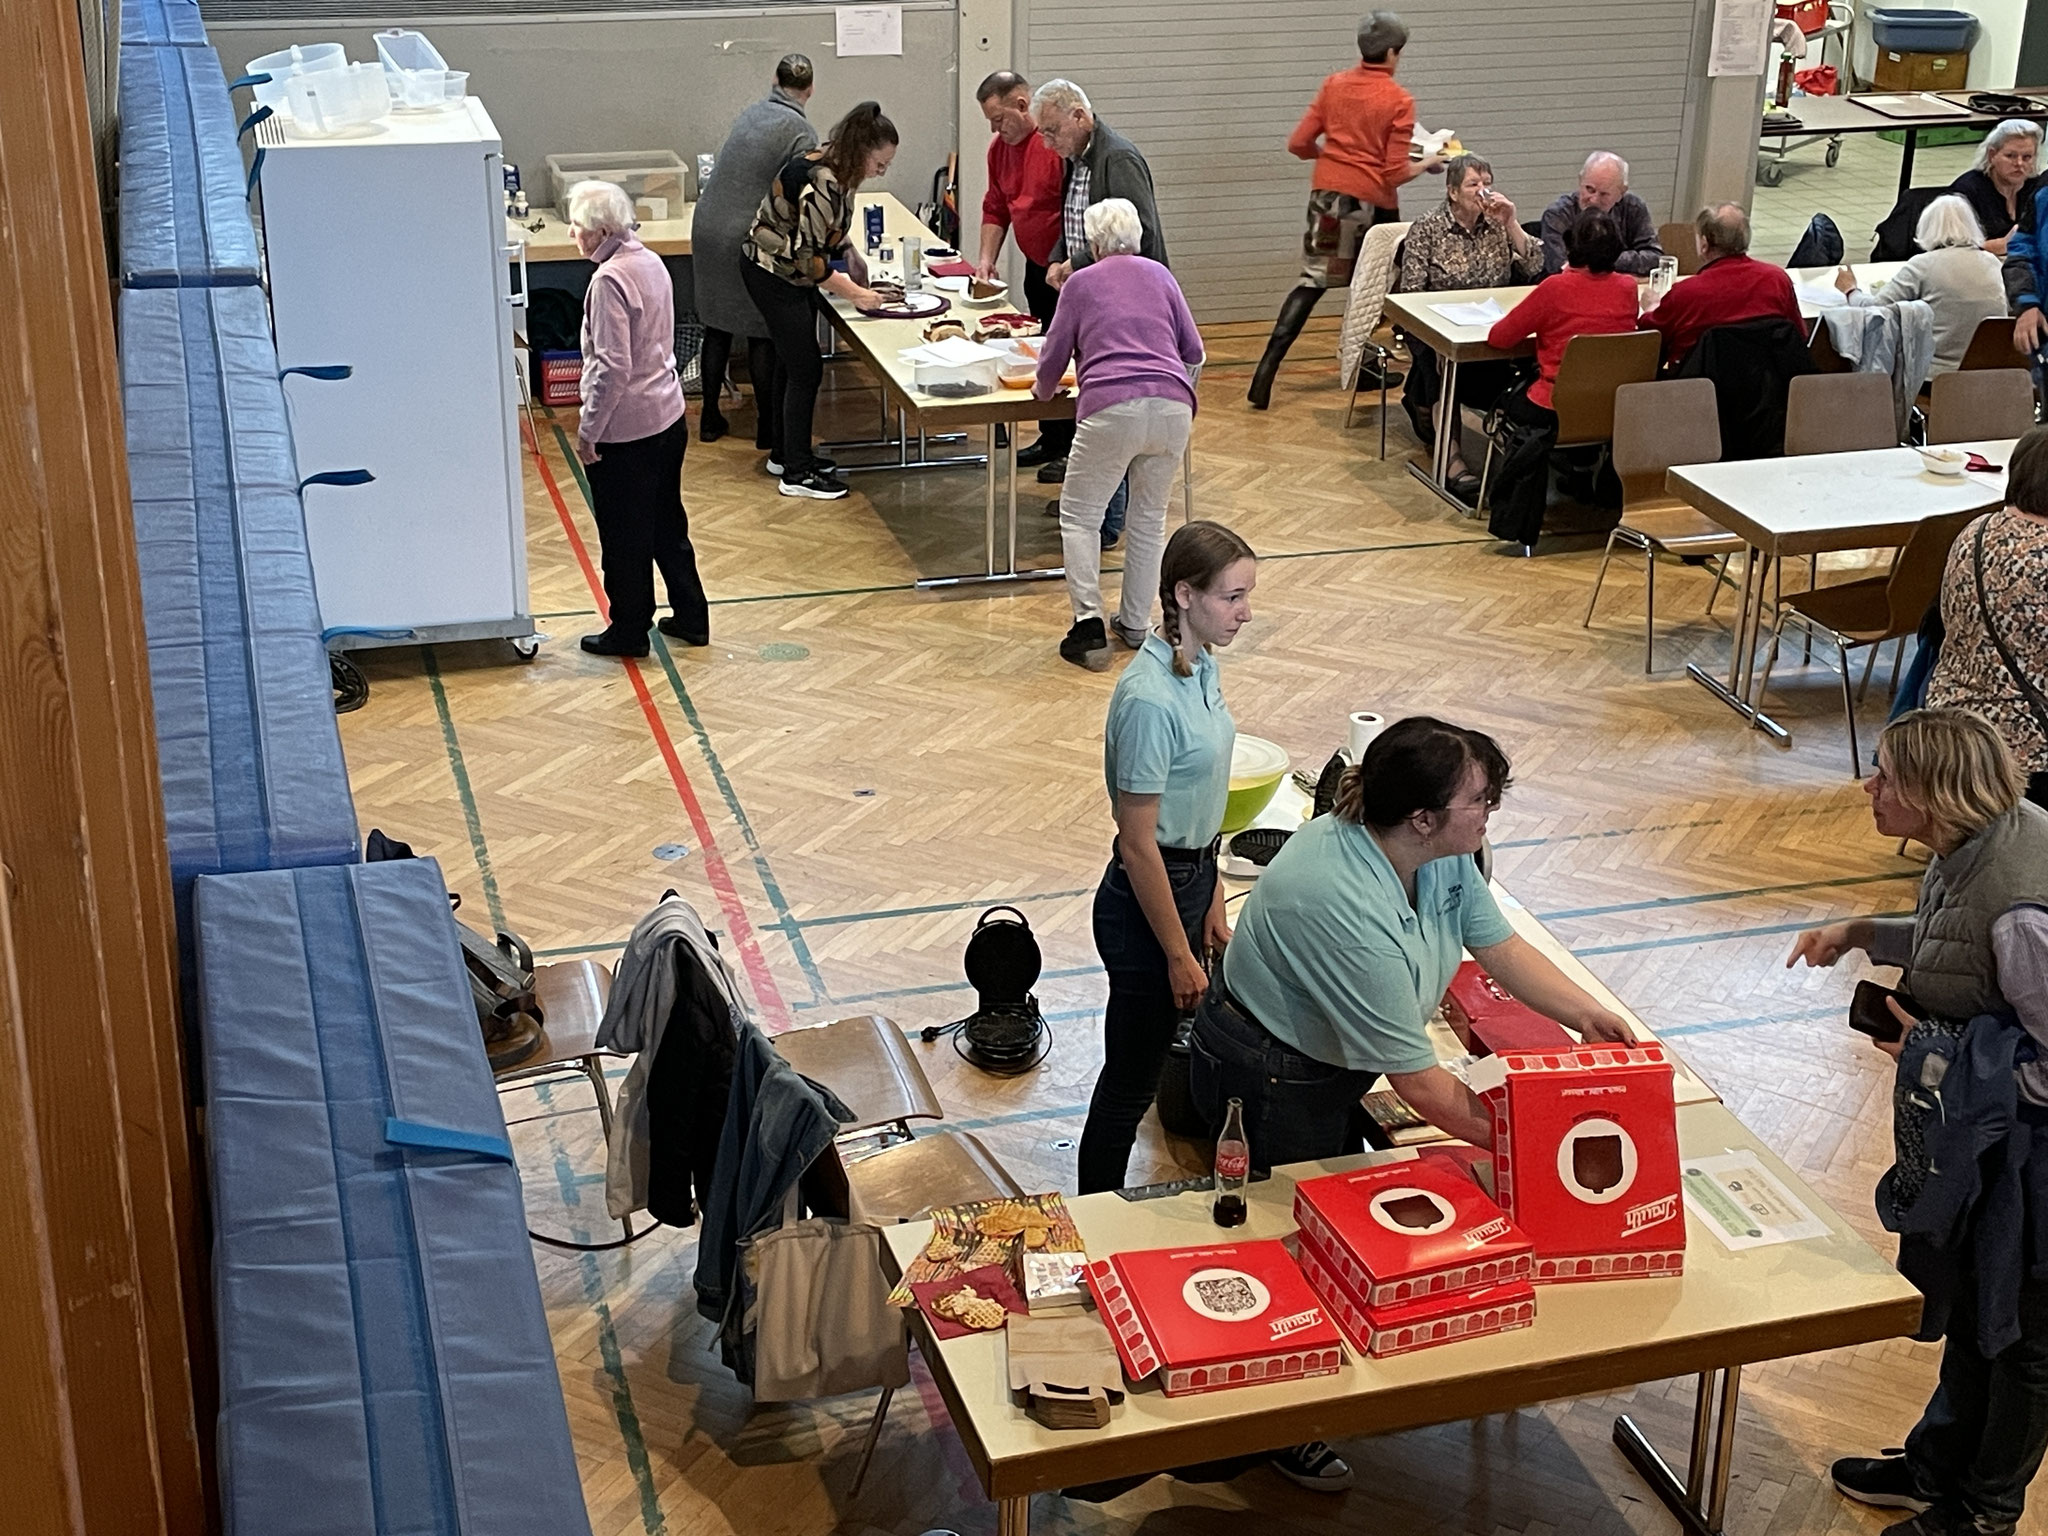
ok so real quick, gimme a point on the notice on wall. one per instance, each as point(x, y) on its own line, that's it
point(1742, 37)
point(873, 29)
point(1743, 1204)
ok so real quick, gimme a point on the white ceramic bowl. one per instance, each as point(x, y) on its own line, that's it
point(1944, 461)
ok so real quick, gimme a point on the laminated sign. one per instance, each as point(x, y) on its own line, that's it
point(1585, 1158)
point(1209, 1318)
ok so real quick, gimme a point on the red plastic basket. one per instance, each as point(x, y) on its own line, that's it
point(561, 378)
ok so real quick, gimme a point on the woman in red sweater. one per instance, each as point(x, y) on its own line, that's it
point(1587, 298)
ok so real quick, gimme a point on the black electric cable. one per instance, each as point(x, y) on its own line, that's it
point(562, 1242)
point(351, 688)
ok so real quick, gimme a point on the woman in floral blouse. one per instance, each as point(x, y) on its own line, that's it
point(1471, 241)
point(800, 229)
point(1971, 672)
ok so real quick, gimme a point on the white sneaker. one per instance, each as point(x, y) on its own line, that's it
point(816, 485)
point(1314, 1466)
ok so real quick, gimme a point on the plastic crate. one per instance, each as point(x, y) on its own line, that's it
point(1922, 31)
point(561, 378)
point(658, 175)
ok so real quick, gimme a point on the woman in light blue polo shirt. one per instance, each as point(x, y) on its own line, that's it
point(1347, 943)
point(1166, 758)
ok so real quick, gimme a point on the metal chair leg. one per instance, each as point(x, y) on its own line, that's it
point(1770, 659)
point(1485, 474)
point(1649, 608)
point(1849, 708)
point(1869, 665)
point(1599, 576)
point(1353, 405)
point(1898, 665)
point(1720, 576)
point(1383, 405)
point(867, 1450)
point(1812, 581)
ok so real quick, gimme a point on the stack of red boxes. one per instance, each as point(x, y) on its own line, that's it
point(1585, 1138)
point(1412, 1254)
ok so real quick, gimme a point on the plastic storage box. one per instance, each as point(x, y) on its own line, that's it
point(561, 378)
point(282, 66)
point(659, 174)
point(332, 100)
point(1922, 31)
point(419, 77)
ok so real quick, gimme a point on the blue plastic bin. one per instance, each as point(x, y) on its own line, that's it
point(1923, 31)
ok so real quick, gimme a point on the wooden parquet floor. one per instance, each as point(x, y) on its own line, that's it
point(854, 770)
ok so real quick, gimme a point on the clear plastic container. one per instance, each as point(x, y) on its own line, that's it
point(403, 51)
point(426, 90)
point(299, 59)
point(333, 100)
point(657, 173)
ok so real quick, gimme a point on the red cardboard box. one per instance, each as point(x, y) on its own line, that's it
point(1210, 1318)
point(1489, 1021)
point(1399, 1232)
point(1420, 1324)
point(1585, 1158)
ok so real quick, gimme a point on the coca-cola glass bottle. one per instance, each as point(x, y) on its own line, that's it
point(1233, 1167)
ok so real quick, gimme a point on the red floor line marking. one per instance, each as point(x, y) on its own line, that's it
point(715, 870)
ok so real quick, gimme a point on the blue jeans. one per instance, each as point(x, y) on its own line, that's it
point(1139, 1023)
point(1295, 1108)
point(1981, 1440)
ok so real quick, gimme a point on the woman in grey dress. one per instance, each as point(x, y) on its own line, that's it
point(764, 138)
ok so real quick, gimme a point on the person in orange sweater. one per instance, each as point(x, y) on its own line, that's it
point(1587, 298)
point(1357, 131)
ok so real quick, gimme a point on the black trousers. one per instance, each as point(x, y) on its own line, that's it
point(792, 316)
point(636, 494)
point(1139, 1023)
point(1041, 299)
point(714, 359)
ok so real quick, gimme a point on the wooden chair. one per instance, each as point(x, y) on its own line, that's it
point(1679, 240)
point(1591, 370)
point(1871, 611)
point(1987, 402)
point(867, 1062)
point(572, 995)
point(1839, 412)
point(1656, 426)
point(1990, 347)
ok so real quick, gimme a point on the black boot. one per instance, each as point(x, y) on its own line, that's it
point(1294, 313)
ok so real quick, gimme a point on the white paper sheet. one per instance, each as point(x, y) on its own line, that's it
point(1821, 294)
point(868, 29)
point(1741, 39)
point(1485, 312)
point(1431, 143)
point(1743, 1204)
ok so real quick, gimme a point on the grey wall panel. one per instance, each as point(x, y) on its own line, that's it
point(1210, 90)
point(556, 86)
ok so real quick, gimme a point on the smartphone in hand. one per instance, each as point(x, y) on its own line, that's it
point(1868, 1014)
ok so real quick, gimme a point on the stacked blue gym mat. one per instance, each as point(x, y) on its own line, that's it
point(384, 1357)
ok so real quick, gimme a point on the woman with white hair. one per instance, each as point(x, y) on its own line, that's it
point(1953, 272)
point(1996, 182)
point(1123, 322)
point(631, 433)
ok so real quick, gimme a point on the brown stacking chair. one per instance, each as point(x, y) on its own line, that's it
point(1873, 610)
point(1987, 402)
point(1991, 347)
point(1591, 370)
point(1656, 426)
point(868, 1063)
point(1678, 240)
point(1839, 413)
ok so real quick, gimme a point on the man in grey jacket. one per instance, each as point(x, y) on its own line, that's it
point(1101, 163)
point(1603, 188)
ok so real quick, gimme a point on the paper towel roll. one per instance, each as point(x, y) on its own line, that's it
point(1364, 726)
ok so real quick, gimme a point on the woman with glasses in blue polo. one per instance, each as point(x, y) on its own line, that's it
point(1347, 943)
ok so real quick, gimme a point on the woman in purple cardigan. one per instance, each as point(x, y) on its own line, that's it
point(1123, 321)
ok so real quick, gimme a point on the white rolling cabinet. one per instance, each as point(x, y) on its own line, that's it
point(385, 253)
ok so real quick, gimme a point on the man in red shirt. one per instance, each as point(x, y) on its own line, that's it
point(1357, 131)
point(1026, 179)
point(1731, 287)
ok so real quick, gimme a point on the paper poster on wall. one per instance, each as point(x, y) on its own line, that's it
point(872, 29)
point(1742, 37)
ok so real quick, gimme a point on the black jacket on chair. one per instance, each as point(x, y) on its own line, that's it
point(1752, 365)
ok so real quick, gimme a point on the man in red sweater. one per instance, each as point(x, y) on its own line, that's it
point(1731, 287)
point(1026, 180)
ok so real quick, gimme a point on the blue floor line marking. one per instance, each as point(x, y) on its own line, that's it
point(1655, 903)
point(1710, 938)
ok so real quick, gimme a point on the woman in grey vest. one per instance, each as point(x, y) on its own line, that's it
point(764, 138)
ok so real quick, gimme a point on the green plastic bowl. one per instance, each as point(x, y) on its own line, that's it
point(1256, 768)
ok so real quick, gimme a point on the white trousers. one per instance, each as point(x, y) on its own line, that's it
point(1146, 440)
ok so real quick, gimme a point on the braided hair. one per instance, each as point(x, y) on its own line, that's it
point(1198, 553)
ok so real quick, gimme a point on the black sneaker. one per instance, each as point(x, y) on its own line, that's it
point(823, 465)
point(1053, 471)
point(1885, 1481)
point(673, 628)
point(1950, 1519)
point(609, 642)
point(1314, 1466)
point(818, 485)
point(1040, 452)
point(1086, 645)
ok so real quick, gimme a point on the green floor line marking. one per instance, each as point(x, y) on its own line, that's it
point(567, 613)
point(1021, 1117)
point(628, 1417)
point(1374, 549)
point(1580, 837)
point(1659, 902)
point(1710, 938)
point(460, 771)
point(769, 884)
point(882, 914)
